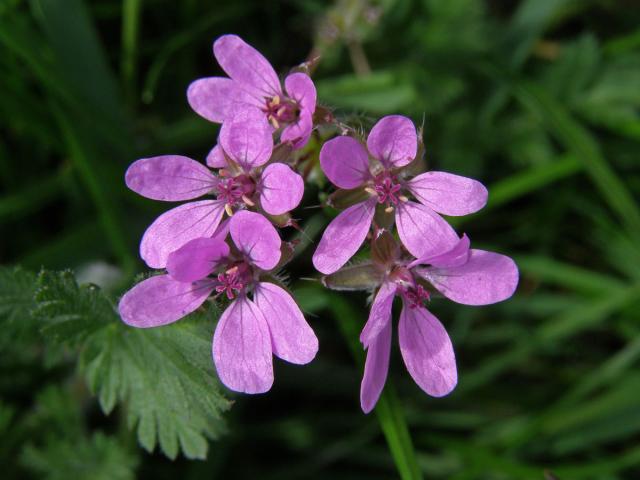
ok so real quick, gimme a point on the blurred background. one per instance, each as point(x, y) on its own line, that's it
point(538, 99)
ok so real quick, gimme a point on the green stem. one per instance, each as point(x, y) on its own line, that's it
point(388, 410)
point(130, 23)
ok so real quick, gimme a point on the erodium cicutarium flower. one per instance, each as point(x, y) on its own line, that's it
point(461, 274)
point(247, 179)
point(380, 172)
point(253, 84)
point(250, 330)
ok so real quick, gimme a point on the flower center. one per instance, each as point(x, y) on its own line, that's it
point(232, 281)
point(416, 296)
point(235, 190)
point(280, 110)
point(387, 188)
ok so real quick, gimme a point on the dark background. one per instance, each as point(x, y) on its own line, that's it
point(538, 99)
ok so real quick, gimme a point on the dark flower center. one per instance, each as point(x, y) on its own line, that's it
point(233, 281)
point(387, 188)
point(281, 110)
point(416, 296)
point(235, 190)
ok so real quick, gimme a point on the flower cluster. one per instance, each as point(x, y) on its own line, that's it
point(387, 207)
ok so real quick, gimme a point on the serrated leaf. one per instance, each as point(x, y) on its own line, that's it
point(165, 375)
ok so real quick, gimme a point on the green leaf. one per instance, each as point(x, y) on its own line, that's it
point(164, 375)
point(98, 458)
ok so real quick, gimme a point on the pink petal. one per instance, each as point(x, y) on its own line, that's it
point(245, 65)
point(343, 237)
point(161, 300)
point(174, 228)
point(345, 162)
point(422, 231)
point(427, 351)
point(215, 158)
point(196, 259)
point(247, 139)
point(455, 257)
point(281, 189)
point(292, 339)
point(223, 230)
point(242, 348)
point(486, 278)
point(217, 98)
point(380, 314)
point(448, 194)
point(256, 237)
point(393, 141)
point(375, 369)
point(169, 178)
point(298, 133)
point(300, 87)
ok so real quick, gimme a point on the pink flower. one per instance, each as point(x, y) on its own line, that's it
point(253, 84)
point(392, 144)
point(249, 330)
point(470, 277)
point(244, 180)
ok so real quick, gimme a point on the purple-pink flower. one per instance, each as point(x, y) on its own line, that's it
point(250, 331)
point(378, 170)
point(253, 84)
point(245, 179)
point(464, 275)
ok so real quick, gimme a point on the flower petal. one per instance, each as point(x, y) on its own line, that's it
point(245, 65)
point(448, 194)
point(344, 161)
point(215, 158)
point(298, 133)
point(169, 178)
point(380, 314)
point(281, 189)
point(422, 231)
point(376, 368)
point(486, 278)
point(161, 300)
point(292, 339)
point(247, 138)
point(196, 259)
point(457, 256)
point(393, 141)
point(217, 99)
point(343, 237)
point(174, 228)
point(242, 348)
point(300, 87)
point(427, 351)
point(256, 237)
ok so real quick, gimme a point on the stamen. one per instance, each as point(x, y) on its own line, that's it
point(230, 283)
point(227, 208)
point(386, 187)
point(416, 296)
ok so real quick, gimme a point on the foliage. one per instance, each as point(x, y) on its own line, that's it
point(164, 376)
